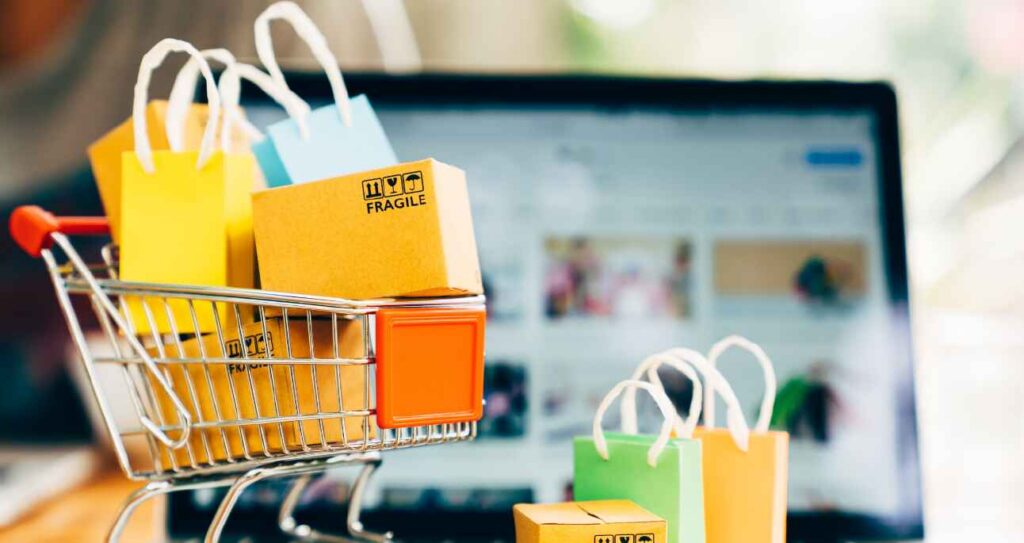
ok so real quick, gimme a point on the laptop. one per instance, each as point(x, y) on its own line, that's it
point(616, 217)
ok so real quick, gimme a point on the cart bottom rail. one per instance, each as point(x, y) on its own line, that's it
point(302, 472)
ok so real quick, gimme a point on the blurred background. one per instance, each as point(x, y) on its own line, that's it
point(957, 67)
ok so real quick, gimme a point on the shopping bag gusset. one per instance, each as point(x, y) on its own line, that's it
point(661, 474)
point(745, 477)
point(342, 138)
point(178, 207)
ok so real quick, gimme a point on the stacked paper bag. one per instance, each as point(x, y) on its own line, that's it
point(183, 187)
point(714, 485)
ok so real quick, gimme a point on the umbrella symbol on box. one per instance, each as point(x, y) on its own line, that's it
point(645, 538)
point(412, 182)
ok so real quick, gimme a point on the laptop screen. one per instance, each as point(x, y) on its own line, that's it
point(608, 234)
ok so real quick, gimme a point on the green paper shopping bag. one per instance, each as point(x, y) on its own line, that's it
point(185, 214)
point(660, 474)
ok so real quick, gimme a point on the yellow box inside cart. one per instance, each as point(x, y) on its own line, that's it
point(233, 391)
point(403, 230)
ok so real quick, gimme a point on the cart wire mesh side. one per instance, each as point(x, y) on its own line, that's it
point(205, 386)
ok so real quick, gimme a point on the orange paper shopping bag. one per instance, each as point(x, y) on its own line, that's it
point(745, 472)
point(180, 208)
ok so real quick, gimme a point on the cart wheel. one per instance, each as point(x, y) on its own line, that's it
point(355, 507)
point(288, 524)
point(228, 503)
point(155, 488)
point(286, 519)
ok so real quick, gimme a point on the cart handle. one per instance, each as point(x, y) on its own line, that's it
point(35, 230)
point(32, 226)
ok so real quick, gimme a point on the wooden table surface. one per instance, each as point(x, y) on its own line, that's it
point(85, 514)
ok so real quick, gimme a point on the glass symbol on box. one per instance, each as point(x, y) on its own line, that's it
point(392, 185)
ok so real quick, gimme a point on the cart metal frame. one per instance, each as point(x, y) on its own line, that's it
point(174, 451)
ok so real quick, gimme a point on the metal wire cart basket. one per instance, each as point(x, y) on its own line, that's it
point(228, 386)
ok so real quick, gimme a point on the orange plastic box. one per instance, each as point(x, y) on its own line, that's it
point(430, 366)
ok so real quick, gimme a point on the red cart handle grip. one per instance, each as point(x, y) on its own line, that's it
point(31, 227)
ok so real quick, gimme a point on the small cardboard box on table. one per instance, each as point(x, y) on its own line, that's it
point(601, 521)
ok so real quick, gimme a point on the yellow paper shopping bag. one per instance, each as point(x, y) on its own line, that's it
point(105, 156)
point(185, 215)
point(745, 472)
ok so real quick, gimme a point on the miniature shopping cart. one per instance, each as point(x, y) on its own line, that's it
point(203, 387)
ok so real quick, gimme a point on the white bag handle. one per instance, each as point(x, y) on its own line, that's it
point(230, 90)
point(308, 31)
point(767, 404)
point(715, 382)
point(664, 404)
point(627, 408)
point(180, 98)
point(151, 61)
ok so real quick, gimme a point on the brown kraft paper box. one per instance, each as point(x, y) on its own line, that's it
point(600, 521)
point(194, 389)
point(403, 230)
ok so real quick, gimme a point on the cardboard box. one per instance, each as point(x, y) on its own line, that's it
point(404, 230)
point(194, 384)
point(603, 521)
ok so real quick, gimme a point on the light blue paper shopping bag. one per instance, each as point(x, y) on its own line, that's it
point(343, 138)
point(270, 163)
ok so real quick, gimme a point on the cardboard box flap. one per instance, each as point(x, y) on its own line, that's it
point(556, 513)
point(617, 511)
point(589, 512)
